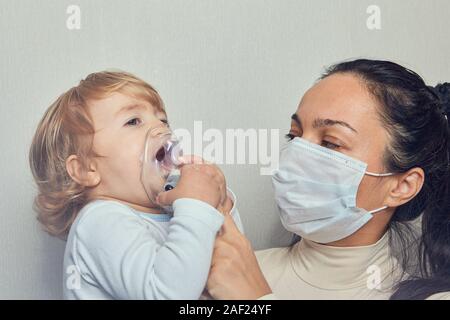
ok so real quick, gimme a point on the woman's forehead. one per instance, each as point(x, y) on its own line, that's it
point(341, 97)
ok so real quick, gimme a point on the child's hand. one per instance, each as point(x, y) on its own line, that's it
point(198, 180)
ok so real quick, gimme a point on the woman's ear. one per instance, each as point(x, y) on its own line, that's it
point(405, 187)
point(79, 174)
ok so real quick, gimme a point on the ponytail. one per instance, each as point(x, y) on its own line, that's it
point(434, 248)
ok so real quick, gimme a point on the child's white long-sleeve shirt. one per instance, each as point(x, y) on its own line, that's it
point(116, 252)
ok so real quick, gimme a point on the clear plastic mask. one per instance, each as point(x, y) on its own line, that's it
point(160, 160)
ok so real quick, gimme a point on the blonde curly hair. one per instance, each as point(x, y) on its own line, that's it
point(65, 129)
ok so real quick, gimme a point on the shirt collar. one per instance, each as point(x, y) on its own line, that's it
point(334, 268)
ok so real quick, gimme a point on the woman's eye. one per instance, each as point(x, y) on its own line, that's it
point(133, 122)
point(329, 145)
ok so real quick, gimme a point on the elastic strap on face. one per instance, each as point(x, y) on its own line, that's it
point(379, 174)
point(378, 210)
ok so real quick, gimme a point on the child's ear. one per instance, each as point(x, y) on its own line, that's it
point(79, 174)
point(406, 187)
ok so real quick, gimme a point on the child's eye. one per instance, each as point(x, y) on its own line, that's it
point(133, 122)
point(329, 145)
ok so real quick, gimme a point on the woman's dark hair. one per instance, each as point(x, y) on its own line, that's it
point(415, 117)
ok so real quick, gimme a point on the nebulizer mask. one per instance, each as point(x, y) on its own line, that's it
point(160, 162)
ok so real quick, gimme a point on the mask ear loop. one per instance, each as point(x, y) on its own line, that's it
point(379, 174)
point(378, 210)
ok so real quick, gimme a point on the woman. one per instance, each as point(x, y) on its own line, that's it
point(368, 154)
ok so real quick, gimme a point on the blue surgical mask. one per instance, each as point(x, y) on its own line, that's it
point(315, 190)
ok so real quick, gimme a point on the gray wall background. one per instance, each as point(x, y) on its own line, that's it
point(231, 64)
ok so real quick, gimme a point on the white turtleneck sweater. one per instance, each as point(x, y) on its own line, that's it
point(309, 270)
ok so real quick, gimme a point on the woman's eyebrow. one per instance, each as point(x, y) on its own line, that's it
point(319, 122)
point(296, 120)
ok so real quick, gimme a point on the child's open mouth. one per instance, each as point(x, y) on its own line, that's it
point(161, 158)
point(160, 154)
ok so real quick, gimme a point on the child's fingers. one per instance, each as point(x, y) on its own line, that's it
point(166, 198)
point(192, 159)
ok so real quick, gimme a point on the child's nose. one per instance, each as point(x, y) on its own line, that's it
point(159, 129)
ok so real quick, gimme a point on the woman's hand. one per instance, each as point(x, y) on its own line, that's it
point(199, 180)
point(235, 273)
